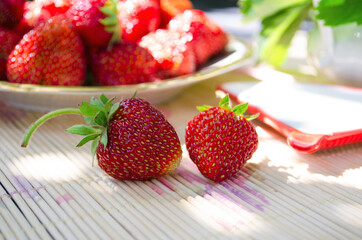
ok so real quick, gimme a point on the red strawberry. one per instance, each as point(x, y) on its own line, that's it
point(170, 8)
point(132, 139)
point(172, 50)
point(208, 38)
point(8, 40)
point(50, 54)
point(106, 22)
point(149, 150)
point(138, 17)
point(220, 140)
point(39, 11)
point(96, 26)
point(56, 7)
point(125, 63)
point(11, 12)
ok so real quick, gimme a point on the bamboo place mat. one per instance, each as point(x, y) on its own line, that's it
point(51, 191)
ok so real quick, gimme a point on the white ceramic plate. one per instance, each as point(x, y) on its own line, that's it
point(45, 98)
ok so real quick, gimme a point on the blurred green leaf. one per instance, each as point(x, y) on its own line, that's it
point(338, 12)
point(278, 32)
point(282, 18)
point(329, 3)
point(259, 9)
point(107, 10)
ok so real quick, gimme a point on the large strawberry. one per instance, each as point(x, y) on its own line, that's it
point(170, 8)
point(8, 40)
point(138, 17)
point(131, 139)
point(208, 38)
point(50, 54)
point(172, 50)
point(125, 63)
point(11, 12)
point(220, 139)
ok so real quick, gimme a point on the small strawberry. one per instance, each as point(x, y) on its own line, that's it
point(138, 17)
point(220, 139)
point(103, 23)
point(125, 63)
point(8, 40)
point(56, 7)
point(172, 50)
point(96, 21)
point(50, 54)
point(39, 11)
point(170, 8)
point(131, 139)
point(208, 39)
point(11, 12)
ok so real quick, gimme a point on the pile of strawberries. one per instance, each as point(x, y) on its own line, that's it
point(56, 42)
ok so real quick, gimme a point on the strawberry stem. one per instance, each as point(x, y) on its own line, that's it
point(44, 118)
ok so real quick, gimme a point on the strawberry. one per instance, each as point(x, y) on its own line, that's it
point(106, 22)
point(11, 12)
point(125, 63)
point(131, 139)
point(96, 21)
point(170, 8)
point(56, 7)
point(50, 54)
point(8, 40)
point(172, 51)
point(220, 139)
point(208, 38)
point(138, 17)
point(39, 11)
point(85, 16)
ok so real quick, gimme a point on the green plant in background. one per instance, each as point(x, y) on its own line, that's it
point(282, 18)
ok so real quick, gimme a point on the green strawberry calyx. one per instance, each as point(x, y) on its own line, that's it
point(225, 103)
point(111, 22)
point(98, 113)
